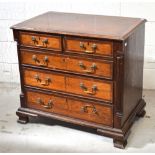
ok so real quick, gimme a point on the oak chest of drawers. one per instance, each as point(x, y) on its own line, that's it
point(82, 69)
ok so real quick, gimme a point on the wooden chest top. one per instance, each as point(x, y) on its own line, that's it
point(97, 26)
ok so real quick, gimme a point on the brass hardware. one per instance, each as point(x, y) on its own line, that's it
point(33, 38)
point(81, 64)
point(49, 105)
point(37, 77)
point(45, 60)
point(45, 41)
point(39, 45)
point(89, 52)
point(94, 46)
point(94, 88)
point(82, 45)
point(85, 89)
point(46, 82)
point(39, 101)
point(85, 109)
point(91, 70)
point(34, 58)
point(82, 86)
point(93, 66)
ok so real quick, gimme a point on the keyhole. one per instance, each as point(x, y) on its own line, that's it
point(88, 43)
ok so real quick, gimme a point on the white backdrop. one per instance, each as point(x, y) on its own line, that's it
point(14, 11)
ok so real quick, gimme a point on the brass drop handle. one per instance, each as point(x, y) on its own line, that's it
point(33, 38)
point(94, 47)
point(85, 109)
point(37, 61)
point(82, 45)
point(45, 59)
point(35, 41)
point(45, 41)
point(85, 89)
point(46, 82)
point(39, 101)
point(37, 77)
point(92, 69)
point(49, 105)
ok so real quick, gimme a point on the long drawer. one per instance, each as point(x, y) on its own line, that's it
point(83, 110)
point(87, 87)
point(93, 67)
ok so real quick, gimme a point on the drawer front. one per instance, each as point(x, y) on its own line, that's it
point(43, 60)
point(90, 47)
point(40, 40)
point(91, 112)
point(84, 66)
point(70, 107)
point(91, 67)
point(44, 80)
point(90, 88)
point(44, 102)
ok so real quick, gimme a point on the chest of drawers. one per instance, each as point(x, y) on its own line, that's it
point(82, 69)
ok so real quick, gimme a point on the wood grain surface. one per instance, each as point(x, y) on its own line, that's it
point(98, 26)
point(102, 47)
point(64, 106)
point(86, 66)
point(37, 40)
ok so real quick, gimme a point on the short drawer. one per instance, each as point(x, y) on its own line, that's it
point(43, 60)
point(84, 110)
point(92, 47)
point(45, 102)
point(92, 67)
point(90, 87)
point(44, 80)
point(96, 113)
point(40, 40)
